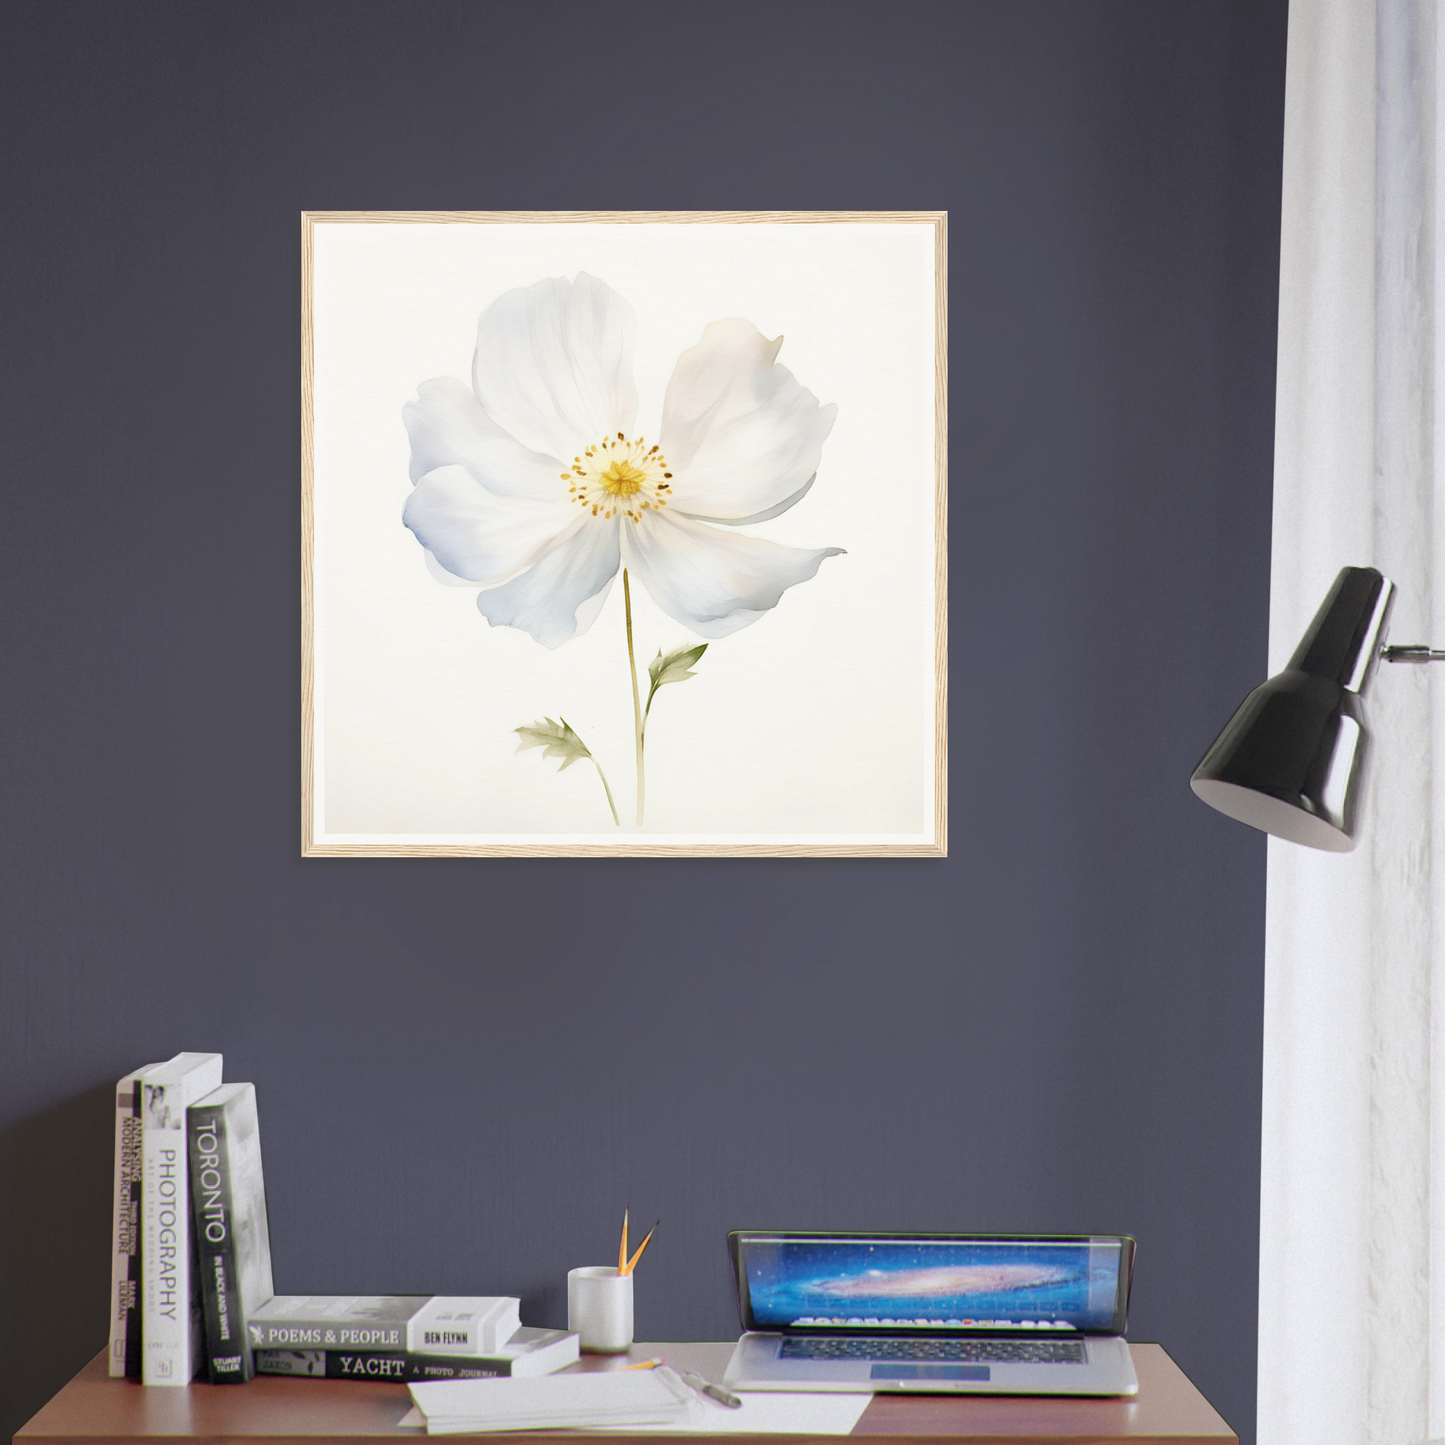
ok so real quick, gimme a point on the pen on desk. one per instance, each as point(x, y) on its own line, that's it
point(716, 1392)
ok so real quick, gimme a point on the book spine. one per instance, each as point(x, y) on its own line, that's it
point(405, 1366)
point(453, 1340)
point(300, 1333)
point(228, 1349)
point(455, 1326)
point(422, 1366)
point(124, 1355)
point(165, 1240)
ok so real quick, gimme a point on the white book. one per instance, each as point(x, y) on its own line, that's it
point(422, 1324)
point(125, 1258)
point(460, 1325)
point(170, 1308)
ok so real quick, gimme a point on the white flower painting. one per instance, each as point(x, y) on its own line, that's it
point(531, 485)
point(557, 465)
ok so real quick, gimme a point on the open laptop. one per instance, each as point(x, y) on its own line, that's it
point(935, 1313)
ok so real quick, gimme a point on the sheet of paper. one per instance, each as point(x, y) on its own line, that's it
point(774, 1412)
point(582, 1400)
point(763, 1413)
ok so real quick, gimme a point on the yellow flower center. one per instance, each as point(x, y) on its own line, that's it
point(622, 479)
point(619, 475)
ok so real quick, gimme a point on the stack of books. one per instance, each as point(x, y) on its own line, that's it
point(402, 1337)
point(191, 1285)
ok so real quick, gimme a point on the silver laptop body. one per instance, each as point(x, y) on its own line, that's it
point(934, 1314)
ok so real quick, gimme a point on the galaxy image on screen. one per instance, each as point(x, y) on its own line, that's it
point(932, 1284)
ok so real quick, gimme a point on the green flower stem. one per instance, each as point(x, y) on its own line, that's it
point(636, 700)
point(616, 820)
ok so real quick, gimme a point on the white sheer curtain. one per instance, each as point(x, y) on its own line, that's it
point(1352, 1243)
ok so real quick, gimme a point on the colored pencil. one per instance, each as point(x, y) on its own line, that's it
point(646, 1240)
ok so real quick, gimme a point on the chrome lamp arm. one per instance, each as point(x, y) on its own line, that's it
point(1413, 652)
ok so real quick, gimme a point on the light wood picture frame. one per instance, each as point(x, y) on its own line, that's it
point(554, 463)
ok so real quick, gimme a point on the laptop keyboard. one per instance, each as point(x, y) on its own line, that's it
point(1006, 1352)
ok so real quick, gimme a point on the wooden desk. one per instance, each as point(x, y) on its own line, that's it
point(275, 1410)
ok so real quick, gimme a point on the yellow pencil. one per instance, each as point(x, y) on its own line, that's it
point(622, 1248)
point(646, 1239)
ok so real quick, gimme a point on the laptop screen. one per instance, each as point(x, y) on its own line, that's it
point(905, 1283)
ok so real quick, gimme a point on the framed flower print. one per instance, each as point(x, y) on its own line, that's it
point(624, 533)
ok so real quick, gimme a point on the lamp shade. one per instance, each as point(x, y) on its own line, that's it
point(1291, 760)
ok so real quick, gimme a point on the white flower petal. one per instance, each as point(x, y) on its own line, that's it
point(764, 516)
point(714, 582)
point(440, 573)
point(560, 597)
point(741, 435)
point(447, 426)
point(587, 612)
point(553, 364)
point(475, 534)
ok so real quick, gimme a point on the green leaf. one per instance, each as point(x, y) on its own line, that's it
point(556, 739)
point(675, 667)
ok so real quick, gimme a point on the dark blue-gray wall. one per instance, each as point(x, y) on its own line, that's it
point(467, 1068)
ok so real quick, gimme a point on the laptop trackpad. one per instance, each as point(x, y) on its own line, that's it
point(930, 1372)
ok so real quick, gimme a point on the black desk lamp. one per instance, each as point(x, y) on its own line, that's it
point(1291, 759)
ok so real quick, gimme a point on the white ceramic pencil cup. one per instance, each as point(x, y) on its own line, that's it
point(599, 1308)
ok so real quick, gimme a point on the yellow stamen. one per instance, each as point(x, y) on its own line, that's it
point(619, 475)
